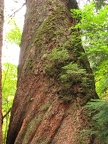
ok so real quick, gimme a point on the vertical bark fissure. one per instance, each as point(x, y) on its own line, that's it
point(56, 130)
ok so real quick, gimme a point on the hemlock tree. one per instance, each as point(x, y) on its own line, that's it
point(54, 81)
point(1, 39)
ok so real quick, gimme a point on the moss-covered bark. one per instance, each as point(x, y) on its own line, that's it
point(39, 114)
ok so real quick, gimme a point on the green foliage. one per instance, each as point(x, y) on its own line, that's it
point(101, 76)
point(66, 72)
point(93, 25)
point(15, 34)
point(73, 68)
point(72, 71)
point(57, 58)
point(59, 55)
point(94, 31)
point(98, 109)
point(100, 3)
point(9, 79)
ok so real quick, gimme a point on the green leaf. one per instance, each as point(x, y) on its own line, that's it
point(15, 34)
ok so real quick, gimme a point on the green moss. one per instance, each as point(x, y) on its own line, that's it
point(47, 32)
point(62, 63)
point(45, 142)
point(31, 125)
point(64, 66)
point(29, 64)
point(48, 29)
point(45, 106)
point(42, 140)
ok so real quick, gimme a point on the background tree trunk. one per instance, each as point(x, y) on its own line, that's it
point(39, 115)
point(1, 42)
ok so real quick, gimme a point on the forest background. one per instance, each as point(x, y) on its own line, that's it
point(94, 33)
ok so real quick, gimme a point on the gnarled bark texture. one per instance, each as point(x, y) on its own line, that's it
point(1, 42)
point(39, 115)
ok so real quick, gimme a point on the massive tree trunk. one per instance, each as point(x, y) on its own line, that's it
point(1, 42)
point(45, 109)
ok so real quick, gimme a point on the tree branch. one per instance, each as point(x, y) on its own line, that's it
point(12, 15)
point(6, 113)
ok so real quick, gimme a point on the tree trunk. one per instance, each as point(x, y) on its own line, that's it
point(1, 42)
point(42, 111)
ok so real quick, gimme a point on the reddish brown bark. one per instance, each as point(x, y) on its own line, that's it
point(1, 42)
point(38, 115)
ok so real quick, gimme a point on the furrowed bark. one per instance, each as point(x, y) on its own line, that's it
point(39, 115)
